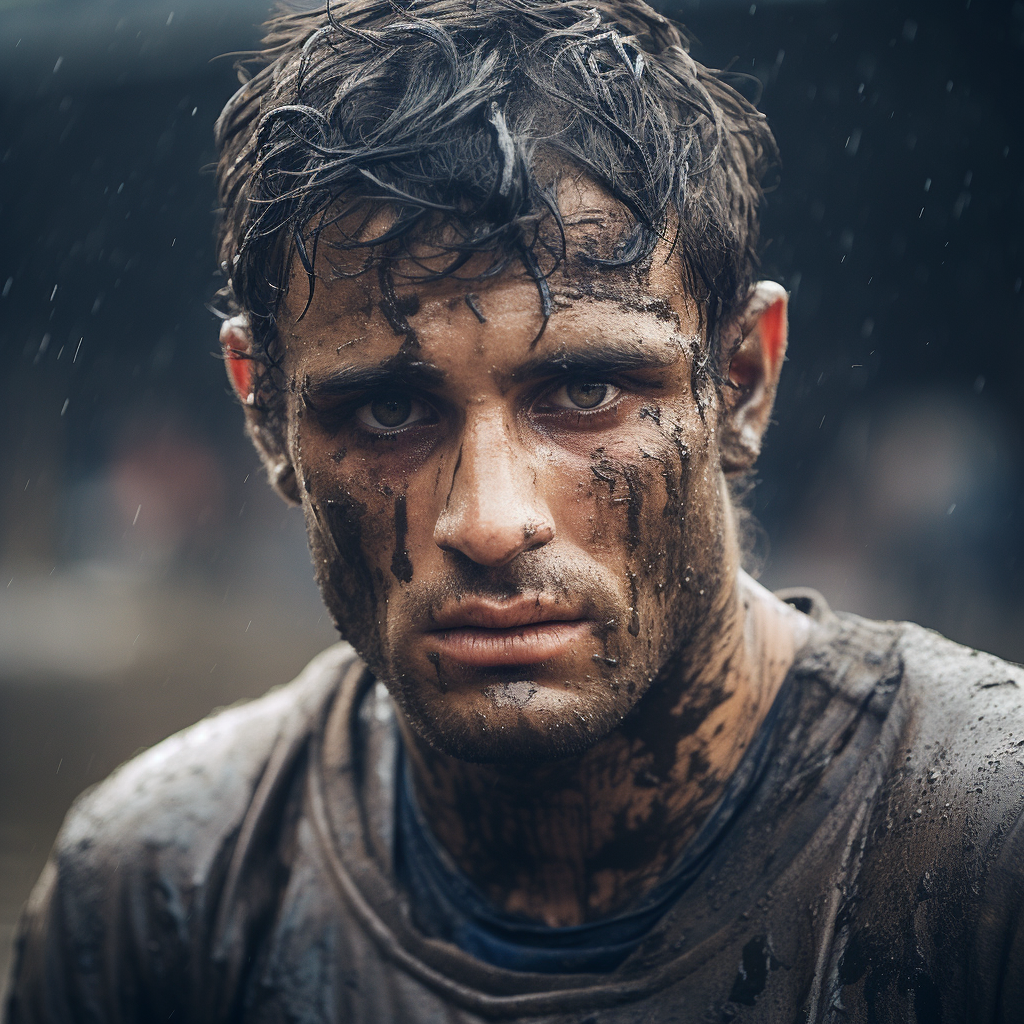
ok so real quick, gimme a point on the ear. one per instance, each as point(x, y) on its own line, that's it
point(266, 435)
point(754, 369)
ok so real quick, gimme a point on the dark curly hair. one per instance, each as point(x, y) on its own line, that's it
point(445, 114)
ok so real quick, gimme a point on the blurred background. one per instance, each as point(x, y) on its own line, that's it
point(148, 575)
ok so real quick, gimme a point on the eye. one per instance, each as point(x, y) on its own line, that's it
point(391, 411)
point(584, 394)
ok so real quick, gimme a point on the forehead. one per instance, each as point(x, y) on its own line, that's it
point(496, 322)
point(503, 312)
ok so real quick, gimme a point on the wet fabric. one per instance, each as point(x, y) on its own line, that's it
point(243, 870)
point(446, 905)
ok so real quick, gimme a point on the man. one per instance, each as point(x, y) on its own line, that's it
point(494, 325)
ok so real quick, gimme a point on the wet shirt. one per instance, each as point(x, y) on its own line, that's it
point(245, 868)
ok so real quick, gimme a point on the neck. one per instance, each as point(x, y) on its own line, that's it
point(576, 841)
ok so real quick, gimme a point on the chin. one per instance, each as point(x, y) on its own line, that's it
point(506, 723)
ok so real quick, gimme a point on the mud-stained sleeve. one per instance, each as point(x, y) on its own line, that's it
point(153, 901)
point(39, 981)
point(997, 968)
point(66, 967)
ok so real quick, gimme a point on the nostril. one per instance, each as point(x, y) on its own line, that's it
point(536, 535)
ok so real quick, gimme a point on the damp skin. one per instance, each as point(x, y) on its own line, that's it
point(605, 527)
point(589, 517)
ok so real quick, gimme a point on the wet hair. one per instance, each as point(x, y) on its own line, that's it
point(453, 118)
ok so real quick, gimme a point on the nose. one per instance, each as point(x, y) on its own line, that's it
point(493, 512)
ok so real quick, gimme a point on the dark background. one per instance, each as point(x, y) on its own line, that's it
point(147, 574)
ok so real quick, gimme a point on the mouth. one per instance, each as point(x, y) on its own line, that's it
point(524, 631)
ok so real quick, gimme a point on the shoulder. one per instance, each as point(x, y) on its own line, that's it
point(939, 891)
point(956, 787)
point(144, 860)
point(965, 708)
point(955, 773)
point(955, 726)
point(949, 696)
point(197, 785)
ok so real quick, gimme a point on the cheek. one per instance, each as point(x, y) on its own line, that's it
point(637, 493)
point(356, 532)
point(661, 511)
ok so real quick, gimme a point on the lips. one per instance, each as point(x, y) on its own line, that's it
point(523, 631)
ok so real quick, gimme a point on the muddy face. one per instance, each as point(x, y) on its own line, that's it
point(517, 537)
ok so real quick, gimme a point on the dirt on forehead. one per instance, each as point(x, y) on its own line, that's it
point(568, 244)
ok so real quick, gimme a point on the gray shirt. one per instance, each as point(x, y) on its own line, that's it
point(242, 869)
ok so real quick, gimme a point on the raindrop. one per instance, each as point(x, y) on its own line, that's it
point(927, 184)
point(979, 384)
point(7, 286)
point(909, 30)
point(64, 407)
point(43, 346)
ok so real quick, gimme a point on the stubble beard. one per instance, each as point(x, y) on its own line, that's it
point(505, 729)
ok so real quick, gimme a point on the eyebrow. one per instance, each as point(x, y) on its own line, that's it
point(397, 372)
point(598, 358)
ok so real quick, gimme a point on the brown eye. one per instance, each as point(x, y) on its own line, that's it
point(583, 395)
point(586, 395)
point(392, 410)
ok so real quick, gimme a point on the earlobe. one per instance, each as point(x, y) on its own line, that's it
point(754, 370)
point(281, 474)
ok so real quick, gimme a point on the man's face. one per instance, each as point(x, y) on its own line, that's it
point(517, 537)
